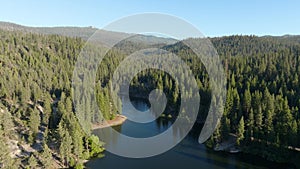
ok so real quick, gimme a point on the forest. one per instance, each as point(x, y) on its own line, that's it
point(38, 123)
point(262, 103)
point(39, 127)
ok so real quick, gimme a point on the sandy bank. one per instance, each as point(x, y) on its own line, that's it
point(120, 119)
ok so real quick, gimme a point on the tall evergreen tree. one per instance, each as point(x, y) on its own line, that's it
point(240, 131)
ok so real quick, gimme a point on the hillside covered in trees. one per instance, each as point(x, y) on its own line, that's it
point(38, 126)
point(262, 105)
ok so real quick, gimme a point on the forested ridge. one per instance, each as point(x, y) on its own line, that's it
point(37, 112)
point(261, 111)
point(38, 123)
point(262, 104)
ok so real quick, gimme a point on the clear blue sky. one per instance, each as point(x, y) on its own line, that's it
point(211, 17)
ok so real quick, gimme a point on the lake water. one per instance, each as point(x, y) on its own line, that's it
point(188, 154)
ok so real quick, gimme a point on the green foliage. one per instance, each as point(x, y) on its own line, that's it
point(34, 121)
point(5, 160)
point(65, 145)
point(95, 146)
point(35, 87)
point(262, 75)
point(240, 131)
point(225, 128)
point(79, 166)
point(32, 163)
point(46, 157)
point(263, 91)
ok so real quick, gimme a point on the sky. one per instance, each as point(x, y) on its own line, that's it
point(211, 17)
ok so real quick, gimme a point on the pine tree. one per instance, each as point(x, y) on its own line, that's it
point(5, 159)
point(65, 148)
point(233, 83)
point(217, 134)
point(284, 120)
point(236, 110)
point(240, 131)
point(95, 146)
point(47, 111)
point(258, 122)
point(268, 102)
point(247, 101)
point(32, 162)
point(46, 157)
point(225, 127)
point(34, 121)
point(293, 134)
point(250, 125)
point(229, 102)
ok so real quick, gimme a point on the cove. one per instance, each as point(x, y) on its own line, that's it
point(188, 154)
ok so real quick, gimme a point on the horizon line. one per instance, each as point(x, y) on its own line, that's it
point(95, 27)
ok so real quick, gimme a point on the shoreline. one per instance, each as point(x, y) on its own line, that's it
point(118, 120)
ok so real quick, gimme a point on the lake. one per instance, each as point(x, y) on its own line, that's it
point(187, 154)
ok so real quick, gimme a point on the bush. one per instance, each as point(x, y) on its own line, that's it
point(95, 146)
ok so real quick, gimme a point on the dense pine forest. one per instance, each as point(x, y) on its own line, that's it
point(263, 95)
point(261, 112)
point(38, 126)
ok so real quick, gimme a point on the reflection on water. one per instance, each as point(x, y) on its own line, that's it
point(188, 154)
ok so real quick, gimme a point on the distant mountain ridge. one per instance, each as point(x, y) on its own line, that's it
point(85, 33)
